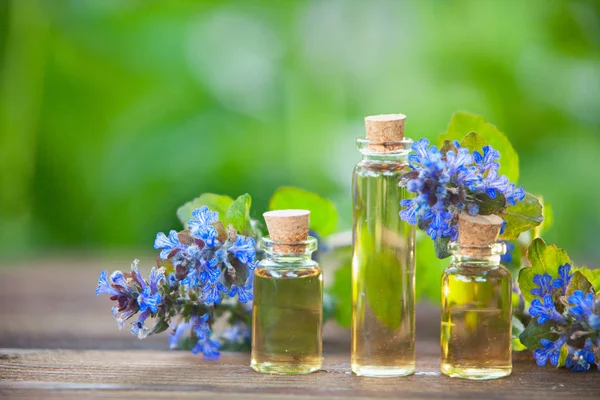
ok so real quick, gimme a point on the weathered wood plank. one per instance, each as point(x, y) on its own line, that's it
point(164, 373)
point(58, 340)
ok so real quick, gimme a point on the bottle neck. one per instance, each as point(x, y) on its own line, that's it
point(477, 255)
point(478, 260)
point(289, 253)
point(288, 259)
point(387, 152)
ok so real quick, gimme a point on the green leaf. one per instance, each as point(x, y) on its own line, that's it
point(534, 332)
point(517, 329)
point(323, 215)
point(487, 205)
point(215, 202)
point(579, 282)
point(448, 146)
point(473, 142)
point(462, 123)
point(543, 259)
point(161, 325)
point(523, 216)
point(238, 214)
point(562, 358)
point(592, 275)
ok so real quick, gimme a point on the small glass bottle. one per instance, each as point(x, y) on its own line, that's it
point(383, 261)
point(476, 331)
point(287, 313)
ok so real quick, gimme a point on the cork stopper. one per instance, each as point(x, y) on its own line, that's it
point(478, 230)
point(288, 227)
point(384, 129)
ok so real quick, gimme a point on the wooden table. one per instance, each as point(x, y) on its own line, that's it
point(57, 339)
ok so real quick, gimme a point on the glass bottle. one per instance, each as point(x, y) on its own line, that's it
point(476, 334)
point(383, 263)
point(288, 309)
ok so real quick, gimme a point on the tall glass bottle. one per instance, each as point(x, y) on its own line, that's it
point(476, 334)
point(287, 313)
point(383, 262)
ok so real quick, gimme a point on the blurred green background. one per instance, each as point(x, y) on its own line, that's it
point(115, 112)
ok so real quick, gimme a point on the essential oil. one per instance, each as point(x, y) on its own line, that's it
point(287, 315)
point(383, 264)
point(476, 334)
point(287, 319)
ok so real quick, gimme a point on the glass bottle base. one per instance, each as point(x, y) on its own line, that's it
point(475, 373)
point(382, 372)
point(282, 368)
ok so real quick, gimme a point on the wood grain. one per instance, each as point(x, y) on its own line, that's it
point(59, 341)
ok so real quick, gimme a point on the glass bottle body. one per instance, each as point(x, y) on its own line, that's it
point(476, 328)
point(383, 266)
point(287, 314)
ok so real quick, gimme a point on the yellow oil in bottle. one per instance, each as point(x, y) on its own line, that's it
point(287, 318)
point(383, 266)
point(476, 337)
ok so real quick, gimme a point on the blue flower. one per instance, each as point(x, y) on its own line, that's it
point(104, 285)
point(244, 249)
point(545, 285)
point(545, 311)
point(209, 270)
point(550, 351)
point(580, 360)
point(201, 228)
point(210, 348)
point(192, 279)
point(148, 301)
point(583, 308)
point(211, 292)
point(200, 326)
point(565, 278)
point(487, 160)
point(244, 292)
point(168, 244)
point(238, 333)
point(177, 332)
point(207, 233)
point(139, 327)
point(203, 216)
point(445, 184)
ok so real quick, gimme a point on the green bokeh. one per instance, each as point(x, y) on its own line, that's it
point(113, 113)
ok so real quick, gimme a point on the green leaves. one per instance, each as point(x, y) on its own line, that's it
point(238, 214)
point(534, 332)
point(215, 202)
point(592, 275)
point(517, 329)
point(578, 282)
point(523, 216)
point(473, 142)
point(562, 358)
point(543, 259)
point(463, 123)
point(323, 215)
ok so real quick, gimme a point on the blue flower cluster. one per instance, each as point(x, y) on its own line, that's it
point(580, 318)
point(200, 259)
point(205, 263)
point(447, 183)
point(132, 295)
